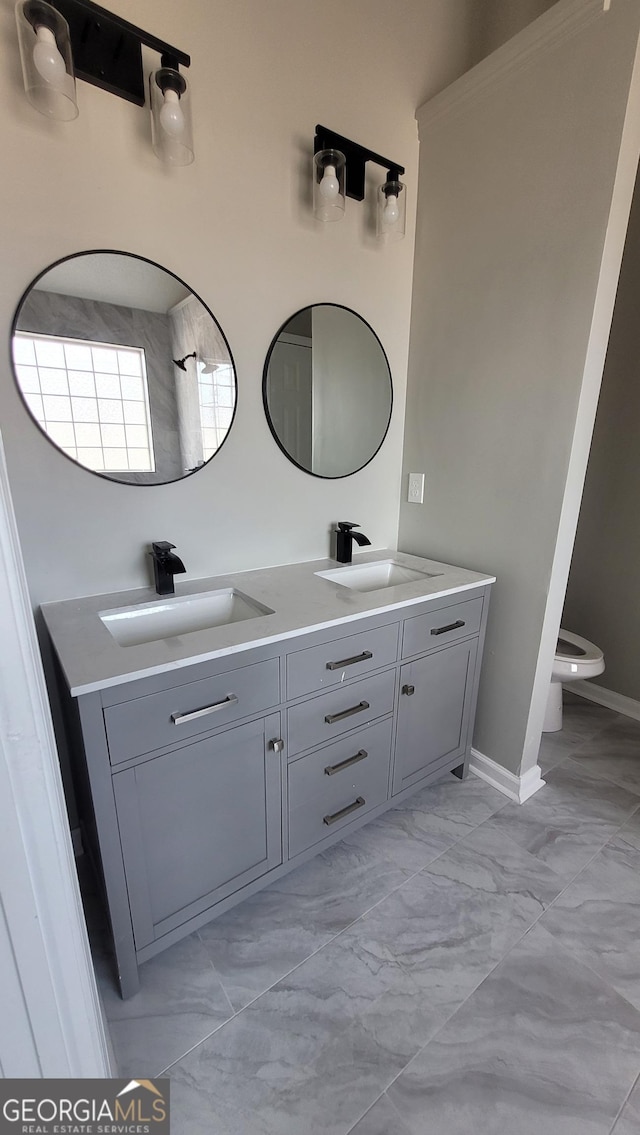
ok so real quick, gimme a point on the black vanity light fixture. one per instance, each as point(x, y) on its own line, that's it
point(339, 172)
point(64, 38)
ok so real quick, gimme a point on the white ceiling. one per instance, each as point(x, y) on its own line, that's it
point(112, 277)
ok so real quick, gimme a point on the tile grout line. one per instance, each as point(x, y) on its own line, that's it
point(596, 735)
point(570, 883)
point(369, 909)
point(210, 960)
point(635, 1084)
point(475, 990)
point(268, 988)
point(480, 983)
point(603, 776)
point(237, 1012)
point(393, 891)
point(558, 945)
point(569, 952)
point(510, 950)
point(350, 925)
point(451, 1015)
point(383, 1095)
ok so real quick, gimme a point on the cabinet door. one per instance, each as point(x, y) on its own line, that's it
point(197, 824)
point(434, 710)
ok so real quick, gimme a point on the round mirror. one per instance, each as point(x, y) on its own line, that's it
point(123, 367)
point(327, 390)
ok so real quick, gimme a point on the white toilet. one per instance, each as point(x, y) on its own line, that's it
point(575, 658)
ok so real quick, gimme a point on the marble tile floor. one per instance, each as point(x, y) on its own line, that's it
point(463, 963)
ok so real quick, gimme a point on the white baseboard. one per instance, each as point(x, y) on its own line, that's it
point(518, 788)
point(609, 698)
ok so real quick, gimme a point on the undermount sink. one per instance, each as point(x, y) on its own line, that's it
point(375, 576)
point(178, 615)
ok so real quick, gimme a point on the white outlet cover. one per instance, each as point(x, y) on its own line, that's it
point(416, 488)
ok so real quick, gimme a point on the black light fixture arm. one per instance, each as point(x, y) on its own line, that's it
point(107, 50)
point(181, 362)
point(356, 158)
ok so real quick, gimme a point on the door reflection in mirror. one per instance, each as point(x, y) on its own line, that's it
point(327, 391)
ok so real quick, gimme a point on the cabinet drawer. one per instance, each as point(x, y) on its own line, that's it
point(323, 718)
point(319, 667)
point(436, 628)
point(330, 788)
point(168, 717)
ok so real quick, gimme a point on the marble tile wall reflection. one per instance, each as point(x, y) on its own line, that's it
point(49, 313)
point(193, 329)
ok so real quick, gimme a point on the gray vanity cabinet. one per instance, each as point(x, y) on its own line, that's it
point(206, 782)
point(198, 823)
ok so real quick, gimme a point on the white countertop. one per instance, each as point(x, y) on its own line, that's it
point(301, 602)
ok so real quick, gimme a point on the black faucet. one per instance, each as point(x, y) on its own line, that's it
point(165, 566)
point(344, 543)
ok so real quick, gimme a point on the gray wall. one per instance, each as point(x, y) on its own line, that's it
point(237, 227)
point(246, 242)
point(53, 314)
point(494, 22)
point(521, 219)
point(603, 595)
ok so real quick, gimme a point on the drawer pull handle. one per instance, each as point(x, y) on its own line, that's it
point(331, 718)
point(180, 718)
point(364, 657)
point(449, 627)
point(357, 803)
point(409, 690)
point(359, 756)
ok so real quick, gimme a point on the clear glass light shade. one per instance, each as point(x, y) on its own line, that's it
point(47, 63)
point(171, 129)
point(329, 167)
point(391, 210)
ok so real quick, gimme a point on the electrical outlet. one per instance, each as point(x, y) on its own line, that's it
point(416, 488)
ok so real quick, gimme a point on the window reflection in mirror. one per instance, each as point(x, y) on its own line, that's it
point(124, 368)
point(327, 391)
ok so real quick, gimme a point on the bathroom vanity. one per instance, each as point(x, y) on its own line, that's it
point(215, 759)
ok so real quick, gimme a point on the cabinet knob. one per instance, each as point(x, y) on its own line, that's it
point(277, 745)
point(408, 690)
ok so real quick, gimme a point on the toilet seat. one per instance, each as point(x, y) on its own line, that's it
point(572, 648)
point(575, 658)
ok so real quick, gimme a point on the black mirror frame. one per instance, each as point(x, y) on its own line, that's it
point(78, 464)
point(265, 371)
